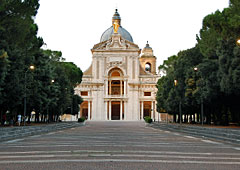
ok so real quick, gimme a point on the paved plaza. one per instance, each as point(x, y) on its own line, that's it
point(117, 145)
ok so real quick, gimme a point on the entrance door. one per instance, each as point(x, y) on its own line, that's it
point(85, 113)
point(147, 109)
point(115, 110)
point(84, 109)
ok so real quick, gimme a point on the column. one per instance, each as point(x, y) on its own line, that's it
point(142, 105)
point(89, 110)
point(121, 90)
point(106, 111)
point(110, 110)
point(121, 110)
point(106, 87)
point(80, 112)
point(125, 87)
point(152, 110)
point(110, 87)
point(125, 110)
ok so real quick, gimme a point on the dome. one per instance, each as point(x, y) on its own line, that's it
point(123, 32)
point(147, 51)
point(147, 46)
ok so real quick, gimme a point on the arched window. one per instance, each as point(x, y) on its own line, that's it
point(115, 82)
point(115, 74)
point(148, 67)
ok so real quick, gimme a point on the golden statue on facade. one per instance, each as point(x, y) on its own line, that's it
point(115, 26)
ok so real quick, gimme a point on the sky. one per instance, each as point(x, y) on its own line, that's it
point(75, 26)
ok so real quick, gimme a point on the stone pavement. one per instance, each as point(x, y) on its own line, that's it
point(16, 132)
point(226, 134)
point(117, 145)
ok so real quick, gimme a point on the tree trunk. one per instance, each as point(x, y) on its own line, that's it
point(42, 118)
point(37, 117)
point(174, 118)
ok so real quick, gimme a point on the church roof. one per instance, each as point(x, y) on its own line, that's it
point(124, 33)
point(147, 51)
point(88, 71)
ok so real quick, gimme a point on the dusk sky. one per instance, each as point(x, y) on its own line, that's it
point(74, 26)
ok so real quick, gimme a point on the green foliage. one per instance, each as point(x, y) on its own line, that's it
point(167, 64)
point(148, 119)
point(4, 63)
point(81, 119)
point(74, 73)
point(50, 86)
point(216, 82)
point(77, 100)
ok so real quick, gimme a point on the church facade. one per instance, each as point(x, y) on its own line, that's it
point(121, 82)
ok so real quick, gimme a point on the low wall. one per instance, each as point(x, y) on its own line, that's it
point(8, 133)
point(230, 135)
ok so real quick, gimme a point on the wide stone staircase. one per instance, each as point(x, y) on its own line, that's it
point(229, 135)
point(8, 133)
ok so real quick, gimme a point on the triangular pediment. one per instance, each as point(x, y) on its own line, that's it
point(116, 42)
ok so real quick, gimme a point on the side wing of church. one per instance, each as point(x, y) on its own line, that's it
point(121, 82)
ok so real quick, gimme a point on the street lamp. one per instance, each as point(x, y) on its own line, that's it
point(238, 41)
point(175, 82)
point(180, 104)
point(31, 67)
point(196, 69)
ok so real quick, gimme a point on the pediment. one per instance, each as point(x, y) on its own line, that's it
point(116, 42)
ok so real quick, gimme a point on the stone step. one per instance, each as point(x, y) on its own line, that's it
point(229, 135)
point(23, 131)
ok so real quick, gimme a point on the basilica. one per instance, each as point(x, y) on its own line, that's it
point(121, 82)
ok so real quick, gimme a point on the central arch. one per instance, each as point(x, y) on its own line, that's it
point(115, 82)
point(115, 89)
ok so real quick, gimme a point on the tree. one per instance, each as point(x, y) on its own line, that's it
point(77, 100)
point(49, 88)
point(216, 83)
point(73, 73)
point(18, 39)
point(3, 71)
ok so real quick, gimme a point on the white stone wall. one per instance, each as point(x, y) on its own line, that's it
point(126, 59)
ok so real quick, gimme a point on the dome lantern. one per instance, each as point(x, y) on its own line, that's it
point(116, 28)
point(147, 51)
point(116, 18)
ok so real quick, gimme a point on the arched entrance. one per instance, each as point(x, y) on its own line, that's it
point(115, 82)
point(115, 93)
point(85, 110)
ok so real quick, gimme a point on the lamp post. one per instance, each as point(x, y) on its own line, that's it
point(238, 42)
point(31, 67)
point(180, 104)
point(196, 69)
